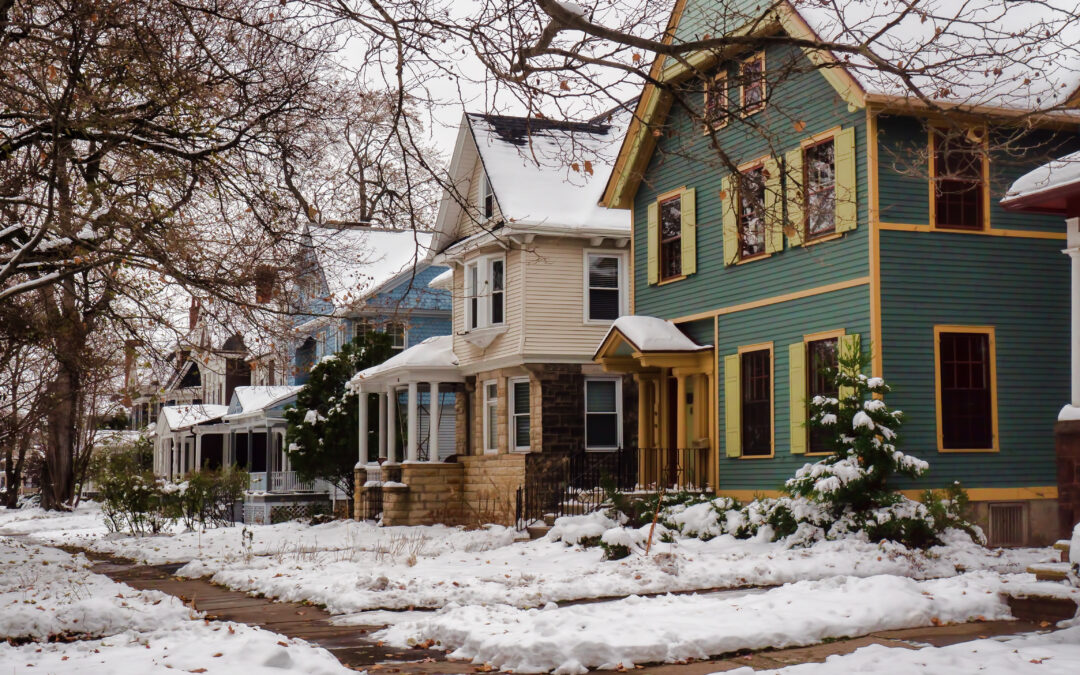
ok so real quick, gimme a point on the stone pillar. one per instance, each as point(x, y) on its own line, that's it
point(382, 426)
point(412, 442)
point(359, 479)
point(1067, 449)
point(1074, 341)
point(362, 454)
point(391, 426)
point(433, 422)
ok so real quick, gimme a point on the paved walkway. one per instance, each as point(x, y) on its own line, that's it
point(354, 648)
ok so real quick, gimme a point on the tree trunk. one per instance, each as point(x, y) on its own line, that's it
point(58, 473)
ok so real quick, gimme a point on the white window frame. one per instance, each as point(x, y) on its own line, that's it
point(624, 281)
point(618, 413)
point(490, 440)
point(481, 316)
point(485, 192)
point(511, 415)
point(404, 335)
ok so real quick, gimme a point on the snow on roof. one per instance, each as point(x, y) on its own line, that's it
point(183, 416)
point(445, 280)
point(433, 353)
point(254, 398)
point(651, 334)
point(1013, 55)
point(357, 261)
point(1053, 175)
point(529, 164)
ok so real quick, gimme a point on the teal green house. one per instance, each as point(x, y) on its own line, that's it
point(783, 213)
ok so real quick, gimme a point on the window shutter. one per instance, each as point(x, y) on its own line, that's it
point(797, 397)
point(849, 344)
point(774, 208)
point(688, 212)
point(847, 214)
point(793, 162)
point(654, 243)
point(728, 201)
point(732, 407)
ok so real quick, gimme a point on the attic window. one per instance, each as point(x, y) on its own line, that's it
point(487, 197)
point(716, 102)
point(752, 83)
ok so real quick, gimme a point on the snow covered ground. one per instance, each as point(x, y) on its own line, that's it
point(45, 592)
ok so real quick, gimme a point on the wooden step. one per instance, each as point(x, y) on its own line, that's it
point(1050, 571)
point(1036, 608)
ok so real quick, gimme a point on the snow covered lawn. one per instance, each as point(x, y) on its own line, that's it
point(45, 592)
point(672, 628)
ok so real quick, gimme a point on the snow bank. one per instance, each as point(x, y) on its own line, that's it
point(672, 628)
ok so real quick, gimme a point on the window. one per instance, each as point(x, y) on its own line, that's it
point(752, 212)
point(822, 361)
point(603, 414)
point(396, 331)
point(671, 238)
point(519, 413)
point(958, 181)
point(715, 112)
point(819, 162)
point(487, 197)
point(756, 385)
point(967, 417)
point(752, 81)
point(491, 417)
point(603, 293)
point(485, 292)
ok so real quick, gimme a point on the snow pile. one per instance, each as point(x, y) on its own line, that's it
point(650, 334)
point(671, 628)
point(1074, 556)
point(573, 529)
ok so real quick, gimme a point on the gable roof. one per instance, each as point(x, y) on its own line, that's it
point(529, 163)
point(357, 262)
point(650, 334)
point(179, 417)
point(249, 399)
point(1016, 57)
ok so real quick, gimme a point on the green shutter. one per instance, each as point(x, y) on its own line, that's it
point(774, 207)
point(847, 214)
point(793, 162)
point(688, 211)
point(732, 407)
point(728, 200)
point(797, 396)
point(849, 344)
point(654, 243)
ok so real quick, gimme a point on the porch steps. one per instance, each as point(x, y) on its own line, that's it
point(537, 531)
point(1050, 605)
point(1063, 545)
point(1049, 571)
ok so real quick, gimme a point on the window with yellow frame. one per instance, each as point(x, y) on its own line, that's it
point(752, 87)
point(965, 367)
point(959, 179)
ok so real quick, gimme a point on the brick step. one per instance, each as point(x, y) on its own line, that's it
point(537, 531)
point(1050, 571)
point(1063, 545)
point(1038, 608)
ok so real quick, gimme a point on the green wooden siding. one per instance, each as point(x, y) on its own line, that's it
point(1019, 286)
point(783, 324)
point(684, 157)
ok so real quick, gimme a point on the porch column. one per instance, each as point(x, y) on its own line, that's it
point(382, 426)
point(362, 456)
point(413, 440)
point(391, 426)
point(1073, 234)
point(644, 430)
point(680, 410)
point(198, 451)
point(250, 448)
point(174, 461)
point(433, 422)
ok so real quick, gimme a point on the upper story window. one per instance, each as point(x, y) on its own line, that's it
point(487, 196)
point(396, 331)
point(485, 292)
point(752, 83)
point(715, 112)
point(604, 294)
point(819, 163)
point(671, 238)
point(958, 170)
point(751, 212)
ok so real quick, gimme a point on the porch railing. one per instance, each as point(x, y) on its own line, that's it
point(288, 481)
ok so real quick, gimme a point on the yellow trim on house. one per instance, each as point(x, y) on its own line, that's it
point(992, 232)
point(759, 346)
point(819, 137)
point(630, 267)
point(986, 330)
point(876, 334)
point(975, 494)
point(837, 333)
point(714, 397)
point(776, 299)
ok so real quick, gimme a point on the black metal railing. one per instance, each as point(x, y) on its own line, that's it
point(579, 483)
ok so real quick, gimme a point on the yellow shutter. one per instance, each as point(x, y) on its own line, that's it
point(732, 407)
point(653, 235)
point(849, 344)
point(847, 214)
point(793, 162)
point(728, 202)
point(688, 211)
point(797, 396)
point(774, 207)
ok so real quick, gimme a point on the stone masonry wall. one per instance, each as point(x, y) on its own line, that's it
point(1067, 449)
point(433, 494)
point(490, 487)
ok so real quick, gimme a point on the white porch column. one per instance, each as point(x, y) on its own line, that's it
point(198, 451)
point(391, 426)
point(382, 426)
point(362, 455)
point(174, 457)
point(1073, 242)
point(433, 422)
point(413, 440)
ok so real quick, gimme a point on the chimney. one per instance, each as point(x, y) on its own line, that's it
point(193, 313)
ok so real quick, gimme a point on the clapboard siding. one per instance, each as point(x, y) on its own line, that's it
point(1018, 286)
point(504, 345)
point(683, 157)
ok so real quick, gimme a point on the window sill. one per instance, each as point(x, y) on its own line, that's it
point(483, 337)
point(672, 280)
point(822, 239)
point(968, 450)
point(768, 456)
point(753, 258)
point(957, 228)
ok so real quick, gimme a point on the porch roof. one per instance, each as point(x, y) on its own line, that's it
point(249, 400)
point(431, 360)
point(1051, 188)
point(179, 417)
point(634, 343)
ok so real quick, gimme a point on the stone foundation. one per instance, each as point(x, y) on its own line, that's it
point(432, 494)
point(359, 478)
point(491, 483)
point(1067, 449)
point(1040, 519)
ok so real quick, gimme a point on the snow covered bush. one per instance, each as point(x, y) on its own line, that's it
point(207, 497)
